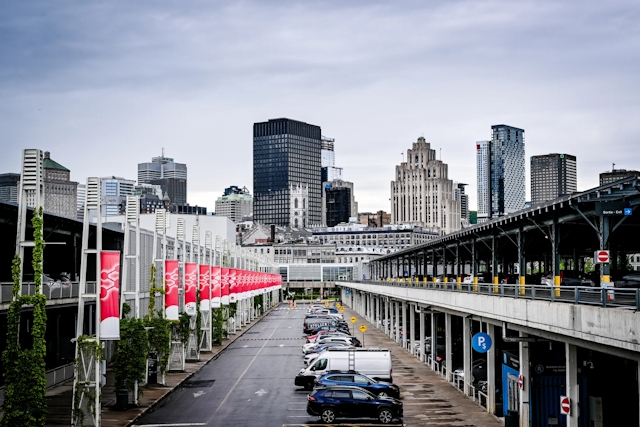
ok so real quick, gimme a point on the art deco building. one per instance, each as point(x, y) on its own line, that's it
point(236, 203)
point(60, 193)
point(552, 176)
point(169, 175)
point(422, 193)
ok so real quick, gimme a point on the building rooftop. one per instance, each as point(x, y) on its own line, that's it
point(51, 164)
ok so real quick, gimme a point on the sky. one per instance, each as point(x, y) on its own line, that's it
point(105, 85)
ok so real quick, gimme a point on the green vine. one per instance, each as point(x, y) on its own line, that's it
point(83, 385)
point(130, 358)
point(159, 332)
point(217, 323)
point(24, 375)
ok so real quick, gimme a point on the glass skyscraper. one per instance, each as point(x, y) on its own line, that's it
point(286, 157)
point(501, 174)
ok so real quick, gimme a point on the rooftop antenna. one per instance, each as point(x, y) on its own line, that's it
point(402, 156)
point(613, 167)
point(162, 151)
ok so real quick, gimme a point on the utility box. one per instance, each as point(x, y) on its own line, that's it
point(595, 411)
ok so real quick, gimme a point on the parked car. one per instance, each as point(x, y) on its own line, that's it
point(309, 358)
point(629, 281)
point(568, 278)
point(314, 338)
point(379, 388)
point(478, 371)
point(330, 403)
point(347, 340)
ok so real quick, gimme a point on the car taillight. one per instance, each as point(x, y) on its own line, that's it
point(312, 399)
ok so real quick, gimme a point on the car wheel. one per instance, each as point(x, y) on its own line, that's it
point(385, 416)
point(382, 394)
point(328, 415)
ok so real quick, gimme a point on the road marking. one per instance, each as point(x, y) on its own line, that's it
point(169, 425)
point(198, 394)
point(243, 374)
point(261, 392)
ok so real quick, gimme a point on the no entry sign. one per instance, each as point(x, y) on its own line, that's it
point(565, 405)
point(601, 257)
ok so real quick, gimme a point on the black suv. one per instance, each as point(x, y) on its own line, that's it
point(334, 402)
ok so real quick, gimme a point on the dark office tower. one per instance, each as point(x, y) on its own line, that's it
point(338, 200)
point(286, 173)
point(552, 176)
point(9, 184)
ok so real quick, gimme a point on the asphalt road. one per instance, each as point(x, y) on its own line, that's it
point(249, 384)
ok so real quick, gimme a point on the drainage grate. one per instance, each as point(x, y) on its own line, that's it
point(197, 384)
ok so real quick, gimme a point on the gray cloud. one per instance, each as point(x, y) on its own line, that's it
point(105, 85)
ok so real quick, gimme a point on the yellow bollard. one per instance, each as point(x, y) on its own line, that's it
point(522, 288)
point(475, 284)
point(556, 285)
point(496, 288)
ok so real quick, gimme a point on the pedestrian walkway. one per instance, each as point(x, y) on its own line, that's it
point(59, 397)
point(428, 399)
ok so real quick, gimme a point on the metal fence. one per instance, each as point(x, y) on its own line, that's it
point(53, 291)
point(603, 297)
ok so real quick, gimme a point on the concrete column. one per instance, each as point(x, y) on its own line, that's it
point(423, 356)
point(433, 340)
point(491, 371)
point(387, 317)
point(448, 363)
point(571, 362)
point(396, 329)
point(404, 325)
point(524, 393)
point(412, 325)
point(466, 357)
point(379, 312)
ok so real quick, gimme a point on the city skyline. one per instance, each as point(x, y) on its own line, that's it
point(125, 80)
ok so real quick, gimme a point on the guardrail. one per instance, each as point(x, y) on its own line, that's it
point(52, 291)
point(604, 297)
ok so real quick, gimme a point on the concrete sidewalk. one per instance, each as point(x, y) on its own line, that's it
point(59, 398)
point(428, 399)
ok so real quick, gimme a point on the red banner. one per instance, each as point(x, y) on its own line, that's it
point(216, 291)
point(224, 286)
point(205, 287)
point(190, 287)
point(233, 296)
point(172, 282)
point(109, 295)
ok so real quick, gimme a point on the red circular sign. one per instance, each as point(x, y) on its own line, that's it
point(565, 405)
point(603, 256)
point(520, 382)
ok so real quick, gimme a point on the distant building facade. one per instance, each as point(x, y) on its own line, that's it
point(377, 219)
point(114, 195)
point(60, 193)
point(82, 200)
point(338, 203)
point(328, 160)
point(422, 194)
point(460, 195)
point(501, 173)
point(286, 156)
point(9, 187)
point(169, 175)
point(552, 176)
point(236, 203)
point(616, 174)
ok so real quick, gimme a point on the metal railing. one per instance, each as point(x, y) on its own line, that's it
point(595, 296)
point(53, 291)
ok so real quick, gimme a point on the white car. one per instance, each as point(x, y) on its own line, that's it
point(328, 334)
point(310, 347)
point(309, 358)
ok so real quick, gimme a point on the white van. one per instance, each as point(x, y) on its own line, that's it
point(373, 362)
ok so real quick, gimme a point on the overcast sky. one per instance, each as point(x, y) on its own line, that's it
point(105, 85)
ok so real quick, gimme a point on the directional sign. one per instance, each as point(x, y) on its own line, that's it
point(353, 319)
point(481, 342)
point(628, 211)
point(601, 257)
point(565, 405)
point(363, 328)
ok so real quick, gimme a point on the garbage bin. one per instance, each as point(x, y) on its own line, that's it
point(122, 399)
point(512, 419)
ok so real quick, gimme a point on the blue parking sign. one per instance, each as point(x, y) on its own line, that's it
point(481, 342)
point(628, 211)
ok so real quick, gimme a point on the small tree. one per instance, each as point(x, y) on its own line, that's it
point(130, 358)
